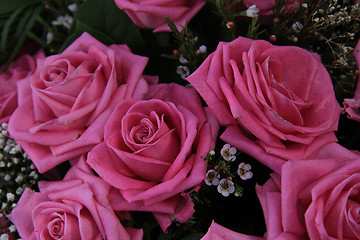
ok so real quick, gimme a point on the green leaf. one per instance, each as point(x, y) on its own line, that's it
point(9, 6)
point(6, 29)
point(193, 236)
point(106, 22)
point(22, 37)
point(23, 22)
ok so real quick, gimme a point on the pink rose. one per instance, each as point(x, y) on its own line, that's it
point(64, 105)
point(314, 199)
point(329, 194)
point(75, 208)
point(154, 150)
point(151, 14)
point(277, 102)
point(17, 70)
point(218, 232)
point(351, 106)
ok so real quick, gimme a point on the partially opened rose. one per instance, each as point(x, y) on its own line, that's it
point(151, 14)
point(75, 208)
point(24, 66)
point(64, 105)
point(352, 106)
point(277, 102)
point(276, 212)
point(154, 150)
point(326, 198)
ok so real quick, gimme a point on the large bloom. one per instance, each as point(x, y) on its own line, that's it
point(277, 102)
point(75, 208)
point(154, 150)
point(63, 106)
point(351, 106)
point(151, 14)
point(24, 66)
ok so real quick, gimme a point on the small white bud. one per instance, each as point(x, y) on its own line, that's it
point(49, 37)
point(19, 191)
point(12, 228)
point(4, 125)
point(252, 11)
point(203, 49)
point(10, 196)
point(4, 236)
point(7, 177)
point(72, 7)
point(297, 26)
point(183, 60)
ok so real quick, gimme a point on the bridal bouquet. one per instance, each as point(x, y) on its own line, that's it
point(169, 119)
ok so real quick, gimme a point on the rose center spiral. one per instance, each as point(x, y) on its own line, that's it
point(143, 132)
point(142, 135)
point(56, 228)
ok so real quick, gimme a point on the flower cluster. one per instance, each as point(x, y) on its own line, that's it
point(91, 105)
point(17, 171)
point(222, 172)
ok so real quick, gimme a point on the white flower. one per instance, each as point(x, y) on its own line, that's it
point(225, 187)
point(183, 60)
point(203, 49)
point(33, 174)
point(212, 178)
point(244, 171)
point(72, 7)
point(4, 133)
point(183, 71)
point(49, 37)
point(19, 178)
point(59, 20)
point(12, 228)
point(228, 152)
point(297, 26)
point(10, 196)
point(7, 177)
point(4, 236)
point(4, 125)
point(252, 11)
point(19, 191)
point(66, 21)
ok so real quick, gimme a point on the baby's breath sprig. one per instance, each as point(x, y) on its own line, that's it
point(16, 171)
point(334, 32)
point(333, 14)
point(7, 229)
